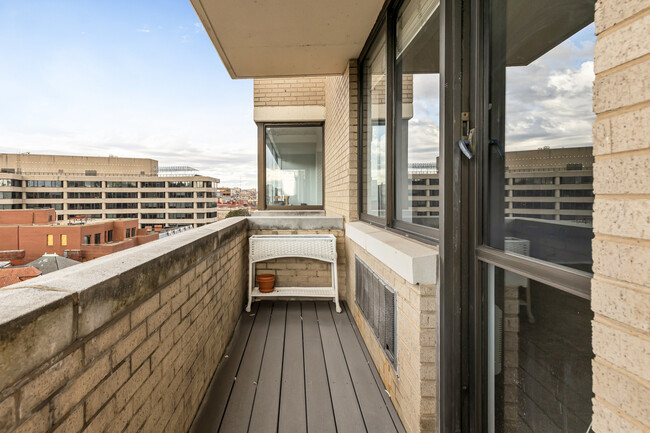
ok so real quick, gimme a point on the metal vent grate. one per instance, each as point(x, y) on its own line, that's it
point(377, 302)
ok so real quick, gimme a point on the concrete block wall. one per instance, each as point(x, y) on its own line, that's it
point(621, 246)
point(127, 342)
point(278, 92)
point(341, 120)
point(412, 386)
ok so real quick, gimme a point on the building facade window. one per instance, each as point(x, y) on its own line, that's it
point(45, 184)
point(152, 195)
point(50, 240)
point(13, 195)
point(84, 206)
point(181, 194)
point(122, 184)
point(85, 195)
point(121, 205)
point(180, 184)
point(154, 205)
point(121, 195)
point(152, 184)
point(64, 240)
point(293, 165)
point(84, 184)
point(9, 183)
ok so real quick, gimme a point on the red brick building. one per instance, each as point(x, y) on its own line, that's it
point(26, 235)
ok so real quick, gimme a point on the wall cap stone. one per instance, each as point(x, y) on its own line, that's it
point(414, 261)
point(295, 223)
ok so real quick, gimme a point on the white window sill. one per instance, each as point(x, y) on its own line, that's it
point(414, 261)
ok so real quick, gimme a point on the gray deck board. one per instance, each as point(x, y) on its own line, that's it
point(344, 399)
point(320, 414)
point(372, 403)
point(216, 398)
point(296, 367)
point(293, 409)
point(241, 400)
point(264, 418)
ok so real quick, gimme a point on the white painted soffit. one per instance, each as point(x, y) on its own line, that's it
point(263, 38)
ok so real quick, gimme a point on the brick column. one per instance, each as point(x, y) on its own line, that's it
point(621, 247)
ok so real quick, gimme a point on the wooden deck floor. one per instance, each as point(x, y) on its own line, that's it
point(296, 367)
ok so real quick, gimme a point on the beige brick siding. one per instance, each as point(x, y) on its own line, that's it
point(413, 390)
point(147, 369)
point(278, 92)
point(341, 144)
point(621, 247)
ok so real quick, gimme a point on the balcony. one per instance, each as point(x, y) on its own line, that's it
point(131, 342)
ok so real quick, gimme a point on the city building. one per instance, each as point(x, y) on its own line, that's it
point(108, 188)
point(480, 321)
point(29, 234)
point(553, 184)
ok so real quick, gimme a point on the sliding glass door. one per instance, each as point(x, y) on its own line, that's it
point(529, 202)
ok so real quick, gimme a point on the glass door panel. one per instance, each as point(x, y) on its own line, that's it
point(539, 356)
point(540, 160)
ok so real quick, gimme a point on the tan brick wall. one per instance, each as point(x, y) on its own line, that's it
point(341, 144)
point(621, 247)
point(147, 369)
point(278, 92)
point(413, 389)
point(300, 272)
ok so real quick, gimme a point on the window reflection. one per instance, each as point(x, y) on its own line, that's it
point(417, 112)
point(544, 195)
point(374, 129)
point(294, 165)
point(539, 356)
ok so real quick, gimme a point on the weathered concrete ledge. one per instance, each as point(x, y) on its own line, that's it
point(291, 222)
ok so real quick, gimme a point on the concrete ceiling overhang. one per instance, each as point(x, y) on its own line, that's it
point(283, 38)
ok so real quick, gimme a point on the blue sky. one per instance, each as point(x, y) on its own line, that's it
point(125, 78)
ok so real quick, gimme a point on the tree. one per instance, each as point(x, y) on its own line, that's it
point(238, 213)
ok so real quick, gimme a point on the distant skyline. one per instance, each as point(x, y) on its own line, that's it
point(130, 79)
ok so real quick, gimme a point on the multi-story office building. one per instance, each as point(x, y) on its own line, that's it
point(108, 188)
point(550, 184)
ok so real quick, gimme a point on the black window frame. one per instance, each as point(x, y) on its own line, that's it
point(261, 164)
point(388, 20)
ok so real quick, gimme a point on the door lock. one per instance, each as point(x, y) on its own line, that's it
point(467, 146)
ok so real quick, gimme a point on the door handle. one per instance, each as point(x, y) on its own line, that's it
point(467, 146)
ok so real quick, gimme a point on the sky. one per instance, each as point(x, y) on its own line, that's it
point(123, 78)
point(548, 102)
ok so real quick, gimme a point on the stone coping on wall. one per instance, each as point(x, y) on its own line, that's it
point(414, 261)
point(287, 221)
point(40, 317)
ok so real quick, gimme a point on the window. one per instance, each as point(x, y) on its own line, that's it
point(4, 183)
point(121, 184)
point(180, 184)
point(417, 105)
point(181, 205)
point(181, 216)
point(121, 205)
point(181, 194)
point(44, 195)
point(374, 129)
point(153, 216)
point(98, 238)
point(84, 184)
point(57, 206)
point(152, 184)
point(64, 240)
point(152, 195)
point(87, 240)
point(156, 205)
point(109, 236)
point(44, 184)
point(84, 206)
point(121, 195)
point(10, 195)
point(293, 174)
point(85, 195)
point(50, 240)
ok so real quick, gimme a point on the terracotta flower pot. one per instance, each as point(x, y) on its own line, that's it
point(266, 282)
